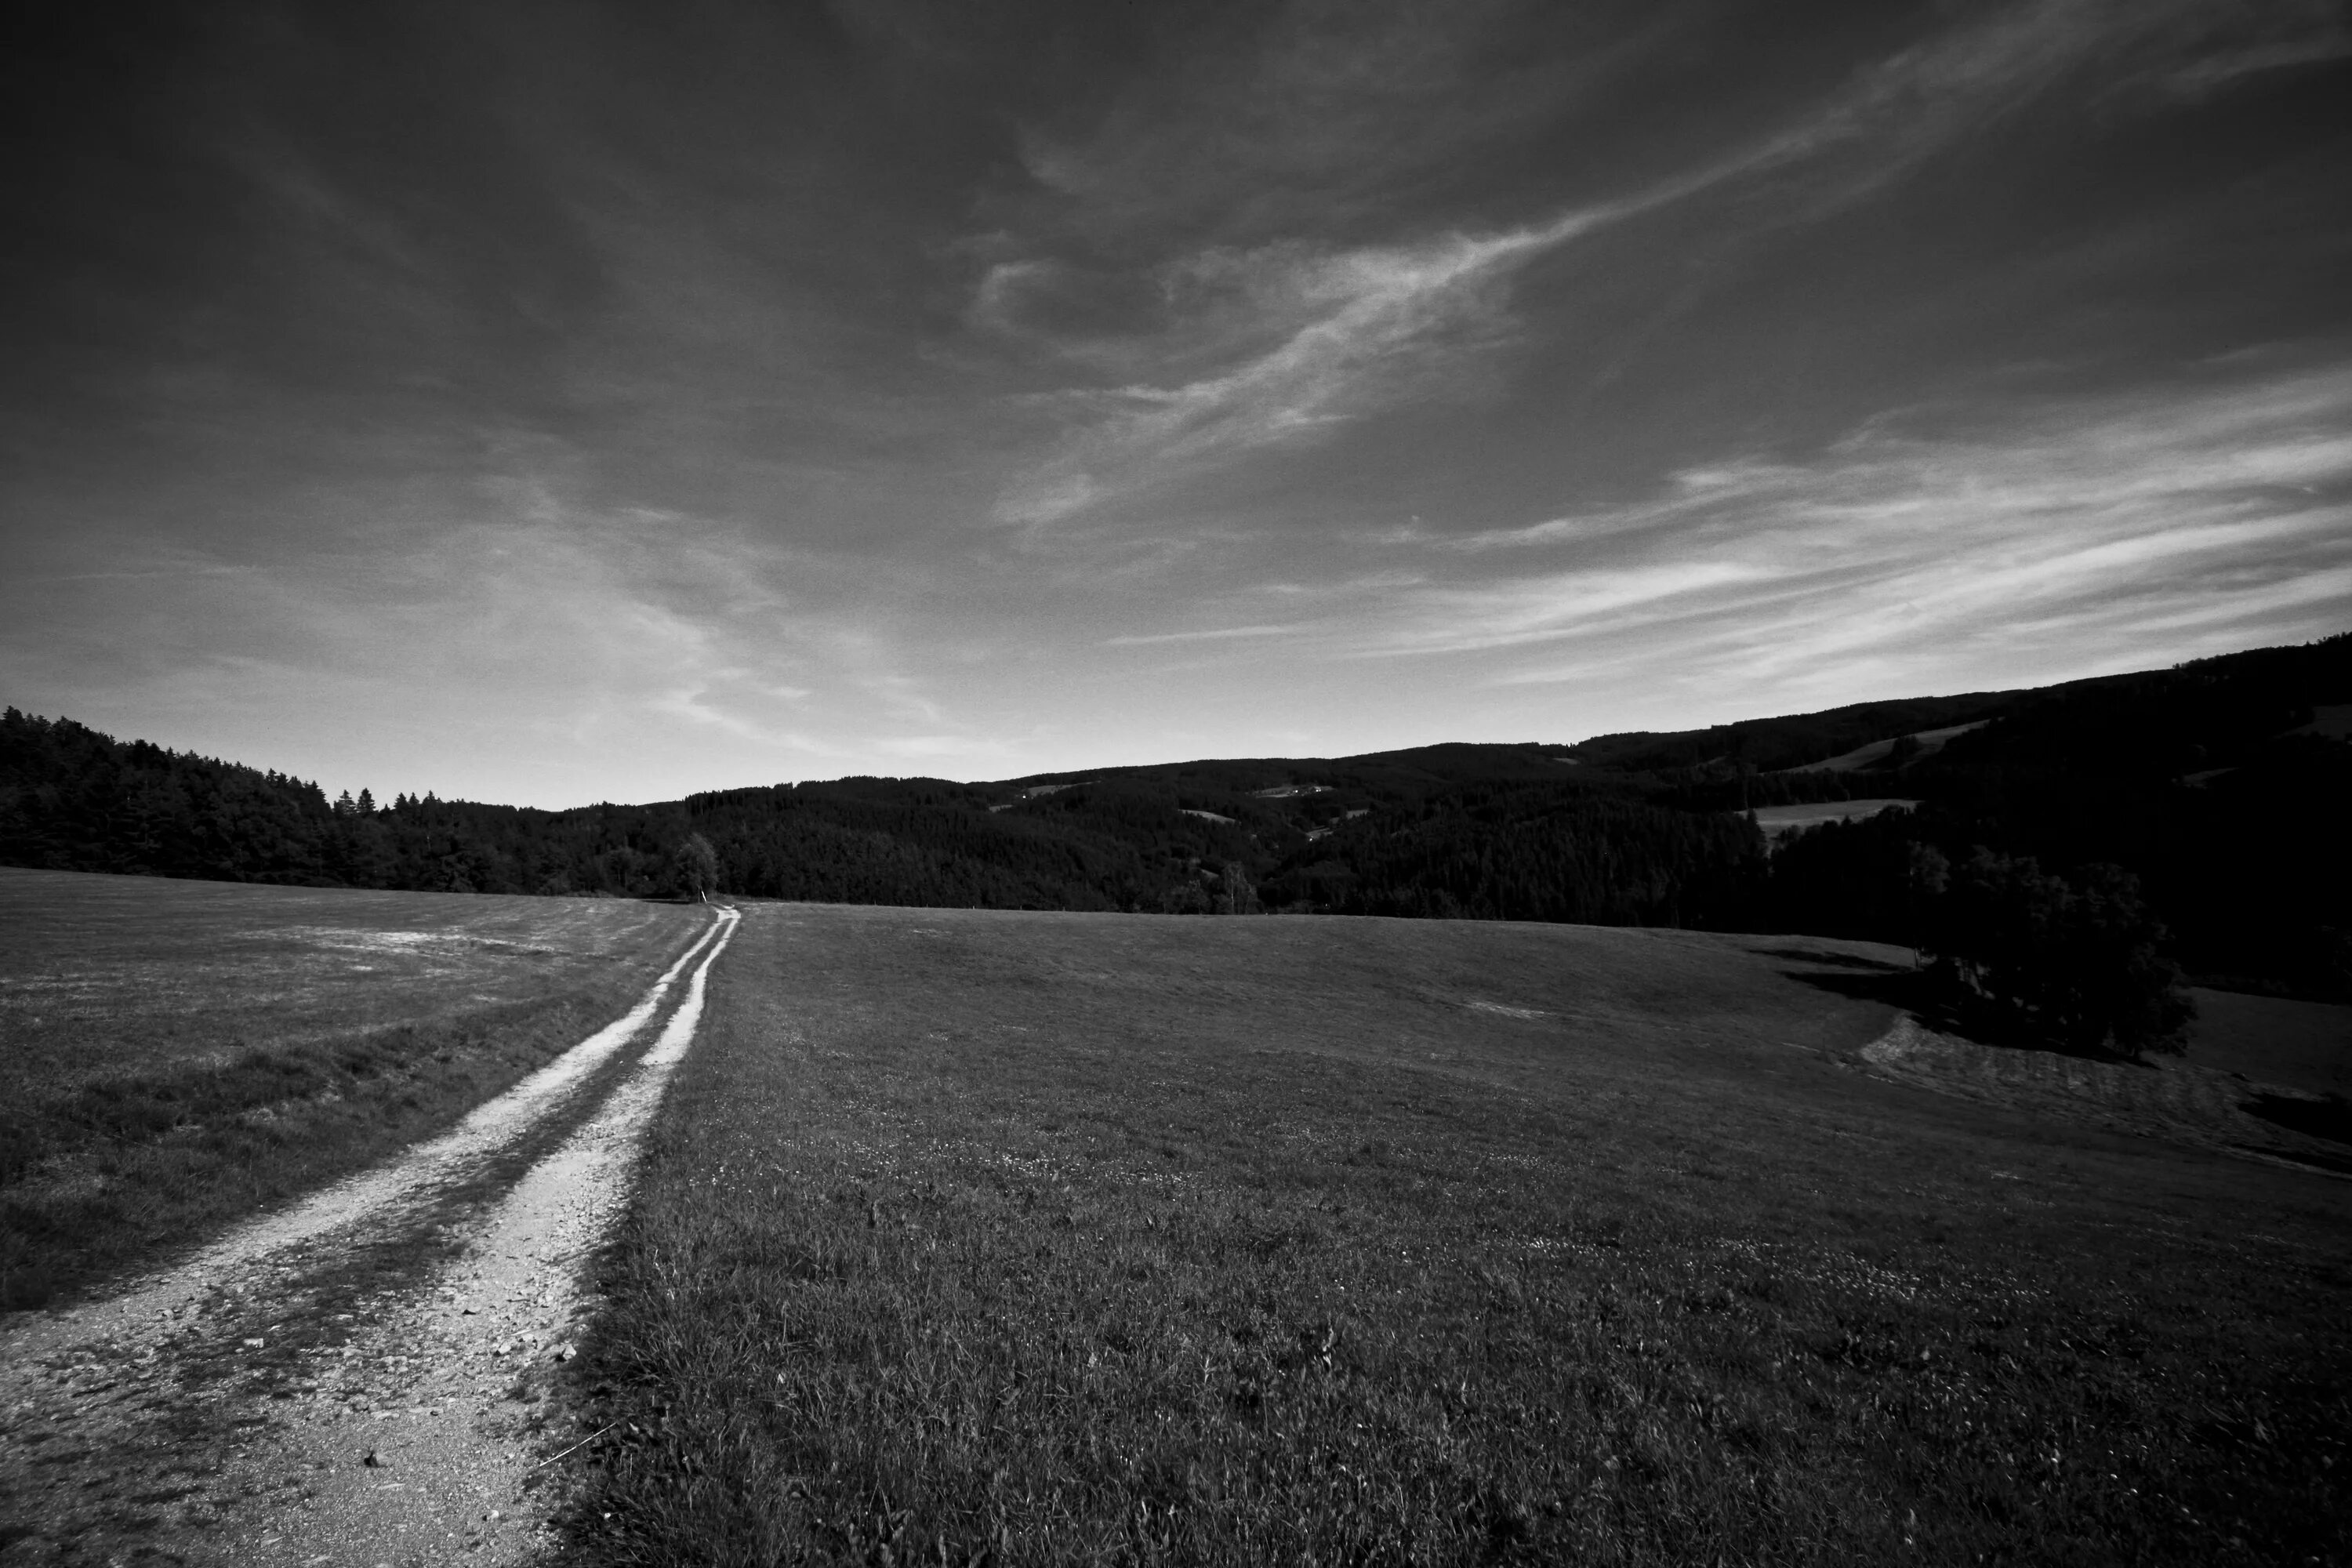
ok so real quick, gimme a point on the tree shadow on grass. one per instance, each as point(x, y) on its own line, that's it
point(2329, 1118)
point(1843, 959)
point(1911, 990)
point(1934, 1001)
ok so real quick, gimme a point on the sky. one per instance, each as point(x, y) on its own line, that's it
point(559, 403)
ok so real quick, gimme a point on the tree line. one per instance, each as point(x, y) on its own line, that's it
point(2191, 817)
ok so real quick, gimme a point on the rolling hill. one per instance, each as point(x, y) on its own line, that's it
point(2218, 784)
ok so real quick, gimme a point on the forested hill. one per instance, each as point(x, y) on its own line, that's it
point(2223, 786)
point(2220, 784)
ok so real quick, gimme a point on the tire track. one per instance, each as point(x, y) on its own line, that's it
point(243, 1405)
point(452, 1468)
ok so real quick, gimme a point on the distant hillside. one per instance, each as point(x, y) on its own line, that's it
point(2220, 784)
point(1795, 741)
point(1914, 747)
point(2196, 779)
point(1196, 837)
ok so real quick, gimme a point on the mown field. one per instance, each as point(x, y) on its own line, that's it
point(179, 1054)
point(1040, 1238)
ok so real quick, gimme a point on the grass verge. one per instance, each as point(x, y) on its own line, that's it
point(185, 1055)
point(115, 1173)
point(1032, 1238)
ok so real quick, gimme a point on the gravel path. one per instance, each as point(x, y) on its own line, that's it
point(307, 1391)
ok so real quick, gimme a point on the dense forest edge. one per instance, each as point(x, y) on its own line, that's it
point(2195, 814)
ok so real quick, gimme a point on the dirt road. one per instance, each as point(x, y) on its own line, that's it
point(363, 1378)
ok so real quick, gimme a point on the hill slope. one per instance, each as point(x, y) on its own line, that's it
point(2217, 783)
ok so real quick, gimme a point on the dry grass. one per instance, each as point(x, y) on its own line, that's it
point(181, 1054)
point(1050, 1238)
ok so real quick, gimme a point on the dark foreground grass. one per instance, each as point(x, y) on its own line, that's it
point(1046, 1239)
point(179, 1055)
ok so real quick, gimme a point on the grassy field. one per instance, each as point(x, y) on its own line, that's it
point(1779, 821)
point(1034, 1239)
point(2306, 1046)
point(180, 1053)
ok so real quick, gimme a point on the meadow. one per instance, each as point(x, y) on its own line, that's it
point(182, 1054)
point(979, 1236)
point(1779, 821)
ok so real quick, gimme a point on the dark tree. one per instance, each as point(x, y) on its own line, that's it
point(1928, 874)
point(2085, 965)
point(696, 866)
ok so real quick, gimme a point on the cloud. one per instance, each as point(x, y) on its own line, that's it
point(2215, 50)
point(2204, 77)
point(1297, 340)
point(1919, 540)
point(642, 442)
point(1304, 113)
point(1218, 633)
point(1960, 84)
point(1047, 496)
point(1563, 603)
point(693, 702)
point(1350, 330)
point(935, 748)
point(604, 644)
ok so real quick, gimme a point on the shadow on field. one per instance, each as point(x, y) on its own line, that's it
point(1921, 993)
point(2329, 1118)
point(1846, 960)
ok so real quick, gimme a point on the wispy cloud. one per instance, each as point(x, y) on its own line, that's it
point(1303, 339)
point(623, 426)
point(1547, 607)
point(2251, 41)
point(620, 641)
point(980, 748)
point(1217, 634)
point(1348, 327)
point(2110, 521)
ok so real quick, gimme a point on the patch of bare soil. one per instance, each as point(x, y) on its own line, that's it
point(2175, 1100)
point(363, 1379)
